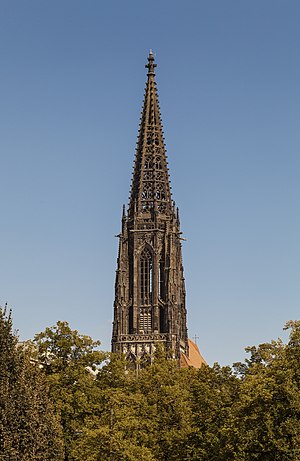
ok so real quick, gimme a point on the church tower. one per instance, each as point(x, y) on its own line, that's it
point(149, 307)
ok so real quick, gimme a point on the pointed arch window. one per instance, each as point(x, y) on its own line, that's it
point(148, 163)
point(146, 277)
point(160, 193)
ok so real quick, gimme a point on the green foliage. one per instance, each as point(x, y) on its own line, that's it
point(213, 391)
point(28, 428)
point(167, 393)
point(267, 414)
point(110, 412)
point(70, 361)
point(140, 417)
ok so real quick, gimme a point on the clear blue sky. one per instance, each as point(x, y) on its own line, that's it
point(72, 80)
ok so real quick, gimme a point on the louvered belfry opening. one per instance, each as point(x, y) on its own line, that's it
point(149, 307)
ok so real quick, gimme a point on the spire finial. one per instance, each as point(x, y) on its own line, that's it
point(151, 66)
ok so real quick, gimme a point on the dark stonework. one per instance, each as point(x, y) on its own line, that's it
point(149, 307)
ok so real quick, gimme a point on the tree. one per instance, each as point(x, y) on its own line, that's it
point(118, 430)
point(163, 413)
point(213, 391)
point(139, 417)
point(266, 417)
point(29, 429)
point(71, 362)
point(167, 392)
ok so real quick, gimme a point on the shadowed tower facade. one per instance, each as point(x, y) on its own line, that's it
point(149, 307)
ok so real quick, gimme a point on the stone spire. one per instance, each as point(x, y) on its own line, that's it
point(149, 307)
point(150, 190)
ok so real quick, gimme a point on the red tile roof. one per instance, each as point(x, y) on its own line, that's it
point(195, 358)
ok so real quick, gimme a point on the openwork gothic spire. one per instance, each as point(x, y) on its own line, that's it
point(150, 191)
